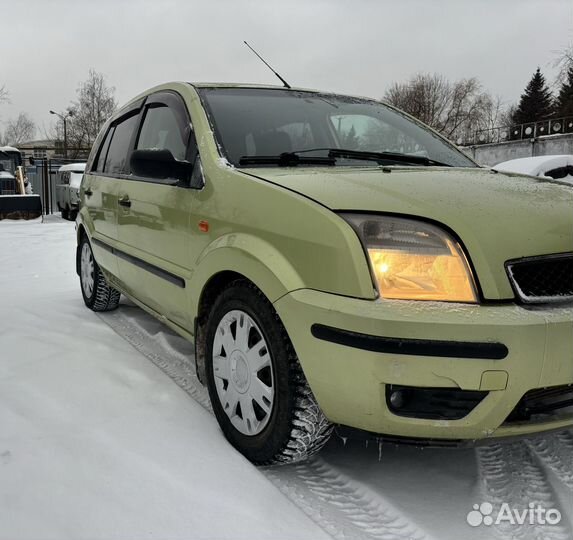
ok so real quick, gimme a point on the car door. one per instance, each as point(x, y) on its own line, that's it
point(154, 214)
point(100, 186)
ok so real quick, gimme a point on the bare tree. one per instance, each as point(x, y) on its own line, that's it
point(563, 62)
point(455, 109)
point(95, 104)
point(19, 130)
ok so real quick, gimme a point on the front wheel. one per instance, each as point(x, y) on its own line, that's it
point(259, 393)
point(97, 293)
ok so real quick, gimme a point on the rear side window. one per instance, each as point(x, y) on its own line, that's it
point(161, 130)
point(100, 159)
point(117, 160)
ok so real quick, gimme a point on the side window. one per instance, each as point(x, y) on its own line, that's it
point(102, 153)
point(163, 130)
point(117, 160)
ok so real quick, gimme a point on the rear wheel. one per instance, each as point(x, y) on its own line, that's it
point(260, 396)
point(65, 213)
point(97, 293)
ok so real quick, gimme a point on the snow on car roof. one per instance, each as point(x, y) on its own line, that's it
point(535, 166)
point(8, 149)
point(74, 167)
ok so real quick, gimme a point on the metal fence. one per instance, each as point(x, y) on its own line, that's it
point(532, 130)
point(42, 175)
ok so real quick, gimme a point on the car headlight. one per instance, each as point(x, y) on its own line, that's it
point(414, 260)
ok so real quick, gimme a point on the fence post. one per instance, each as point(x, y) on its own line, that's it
point(45, 187)
point(50, 184)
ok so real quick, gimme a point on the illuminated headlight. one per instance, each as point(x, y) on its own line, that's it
point(414, 260)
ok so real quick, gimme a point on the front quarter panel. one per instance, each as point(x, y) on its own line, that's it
point(280, 239)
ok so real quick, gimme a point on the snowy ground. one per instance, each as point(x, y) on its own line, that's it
point(105, 433)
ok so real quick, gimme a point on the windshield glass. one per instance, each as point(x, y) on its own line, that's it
point(269, 122)
point(7, 162)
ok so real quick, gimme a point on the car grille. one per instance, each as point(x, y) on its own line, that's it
point(543, 279)
point(542, 401)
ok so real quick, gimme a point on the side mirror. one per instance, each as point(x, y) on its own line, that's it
point(159, 164)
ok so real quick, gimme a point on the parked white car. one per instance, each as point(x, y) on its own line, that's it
point(68, 180)
point(557, 167)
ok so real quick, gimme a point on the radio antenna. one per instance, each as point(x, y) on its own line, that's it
point(285, 84)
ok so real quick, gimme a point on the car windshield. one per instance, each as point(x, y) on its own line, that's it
point(7, 162)
point(251, 123)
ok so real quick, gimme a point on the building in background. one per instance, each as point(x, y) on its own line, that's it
point(50, 149)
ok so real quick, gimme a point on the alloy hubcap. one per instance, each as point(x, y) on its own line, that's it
point(243, 372)
point(87, 270)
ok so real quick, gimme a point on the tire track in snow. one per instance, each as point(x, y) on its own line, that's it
point(510, 473)
point(339, 505)
point(343, 508)
point(158, 347)
point(555, 451)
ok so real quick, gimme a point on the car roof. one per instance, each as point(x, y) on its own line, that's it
point(536, 165)
point(276, 87)
point(74, 167)
point(248, 85)
point(198, 85)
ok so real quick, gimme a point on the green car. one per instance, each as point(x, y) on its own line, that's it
point(336, 263)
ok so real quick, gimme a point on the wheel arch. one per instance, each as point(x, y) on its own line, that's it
point(231, 258)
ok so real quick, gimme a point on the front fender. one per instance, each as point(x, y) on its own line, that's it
point(250, 256)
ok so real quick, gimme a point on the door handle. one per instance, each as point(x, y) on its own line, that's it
point(88, 192)
point(124, 201)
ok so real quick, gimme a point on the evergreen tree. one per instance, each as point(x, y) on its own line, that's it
point(564, 102)
point(349, 140)
point(536, 102)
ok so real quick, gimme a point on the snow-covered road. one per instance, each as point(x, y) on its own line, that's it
point(106, 433)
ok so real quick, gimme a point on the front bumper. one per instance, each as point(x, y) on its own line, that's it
point(350, 382)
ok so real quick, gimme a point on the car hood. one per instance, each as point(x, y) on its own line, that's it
point(497, 216)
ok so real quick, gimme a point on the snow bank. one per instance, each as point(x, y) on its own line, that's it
point(95, 441)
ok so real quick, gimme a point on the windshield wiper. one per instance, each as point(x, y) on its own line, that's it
point(376, 156)
point(291, 159)
point(287, 159)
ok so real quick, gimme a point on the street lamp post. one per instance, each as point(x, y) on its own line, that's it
point(63, 118)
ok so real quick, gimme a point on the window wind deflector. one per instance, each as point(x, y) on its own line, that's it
point(287, 159)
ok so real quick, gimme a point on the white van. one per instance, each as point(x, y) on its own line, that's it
point(68, 179)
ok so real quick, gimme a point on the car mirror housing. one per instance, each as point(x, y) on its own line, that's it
point(160, 163)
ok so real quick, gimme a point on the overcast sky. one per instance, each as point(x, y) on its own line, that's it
point(352, 46)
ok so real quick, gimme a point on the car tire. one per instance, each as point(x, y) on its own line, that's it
point(97, 293)
point(65, 214)
point(251, 364)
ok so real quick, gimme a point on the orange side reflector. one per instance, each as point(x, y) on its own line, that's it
point(204, 226)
